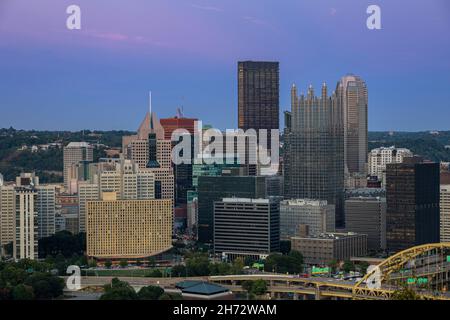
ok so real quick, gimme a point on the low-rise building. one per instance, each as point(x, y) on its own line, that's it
point(323, 248)
point(367, 215)
point(318, 215)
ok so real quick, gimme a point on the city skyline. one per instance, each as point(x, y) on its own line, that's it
point(57, 76)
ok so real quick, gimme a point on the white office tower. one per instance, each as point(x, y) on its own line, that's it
point(445, 213)
point(26, 242)
point(74, 153)
point(317, 215)
point(46, 208)
point(128, 181)
point(7, 217)
point(86, 192)
point(380, 157)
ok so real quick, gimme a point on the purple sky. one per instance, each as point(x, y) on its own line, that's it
point(186, 52)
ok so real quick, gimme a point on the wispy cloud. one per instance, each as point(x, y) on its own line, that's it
point(110, 36)
point(207, 8)
point(120, 37)
point(255, 20)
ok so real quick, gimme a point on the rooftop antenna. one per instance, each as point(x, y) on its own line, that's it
point(150, 109)
point(150, 102)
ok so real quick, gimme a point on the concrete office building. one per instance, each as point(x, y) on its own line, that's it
point(367, 215)
point(86, 192)
point(323, 248)
point(73, 153)
point(7, 216)
point(445, 213)
point(128, 229)
point(128, 181)
point(313, 150)
point(67, 209)
point(352, 98)
point(412, 196)
point(380, 157)
point(318, 215)
point(246, 227)
point(46, 209)
point(26, 236)
point(212, 189)
point(45, 203)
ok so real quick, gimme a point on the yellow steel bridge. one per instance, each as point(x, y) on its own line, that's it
point(424, 268)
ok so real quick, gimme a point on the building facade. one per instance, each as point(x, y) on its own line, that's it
point(352, 96)
point(445, 213)
point(318, 215)
point(26, 236)
point(313, 158)
point(258, 95)
point(367, 215)
point(46, 209)
point(324, 248)
point(380, 157)
point(74, 153)
point(412, 196)
point(246, 227)
point(128, 229)
point(212, 189)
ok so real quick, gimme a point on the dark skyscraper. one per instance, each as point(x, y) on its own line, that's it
point(258, 95)
point(212, 189)
point(412, 196)
point(314, 150)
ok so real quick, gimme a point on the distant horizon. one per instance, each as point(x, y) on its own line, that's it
point(134, 131)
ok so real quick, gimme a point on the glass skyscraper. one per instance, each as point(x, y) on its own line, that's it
point(313, 150)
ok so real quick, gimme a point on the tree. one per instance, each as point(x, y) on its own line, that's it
point(118, 290)
point(22, 292)
point(237, 266)
point(197, 265)
point(363, 267)
point(333, 264)
point(123, 263)
point(291, 263)
point(285, 246)
point(170, 296)
point(255, 287)
point(151, 261)
point(259, 287)
point(108, 263)
point(179, 270)
point(405, 293)
point(150, 293)
point(13, 276)
point(348, 266)
point(64, 243)
point(45, 286)
point(155, 273)
point(93, 264)
point(220, 268)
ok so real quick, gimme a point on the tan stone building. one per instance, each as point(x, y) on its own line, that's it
point(128, 229)
point(323, 248)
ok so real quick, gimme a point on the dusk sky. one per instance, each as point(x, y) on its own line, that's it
point(186, 52)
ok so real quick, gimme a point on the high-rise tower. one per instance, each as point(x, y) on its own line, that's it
point(258, 95)
point(313, 150)
point(351, 95)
